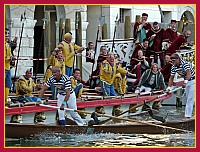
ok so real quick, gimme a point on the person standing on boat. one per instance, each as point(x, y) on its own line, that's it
point(65, 95)
point(155, 36)
point(8, 58)
point(184, 69)
point(151, 79)
point(56, 59)
point(141, 28)
point(69, 50)
point(90, 52)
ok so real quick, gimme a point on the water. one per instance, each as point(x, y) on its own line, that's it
point(113, 140)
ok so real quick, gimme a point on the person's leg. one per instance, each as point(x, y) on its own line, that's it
point(190, 98)
point(67, 71)
point(72, 105)
point(112, 91)
point(61, 113)
point(28, 99)
point(105, 88)
point(7, 83)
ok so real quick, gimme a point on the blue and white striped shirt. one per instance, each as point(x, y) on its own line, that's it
point(63, 84)
point(181, 70)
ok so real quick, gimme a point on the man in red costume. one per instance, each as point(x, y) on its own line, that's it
point(141, 28)
point(144, 46)
point(155, 37)
point(171, 33)
point(179, 41)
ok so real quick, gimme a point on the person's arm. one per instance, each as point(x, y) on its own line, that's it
point(44, 88)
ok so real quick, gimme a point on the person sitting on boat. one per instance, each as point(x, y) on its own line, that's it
point(65, 95)
point(151, 79)
point(166, 69)
point(181, 40)
point(56, 59)
point(95, 80)
point(108, 71)
point(76, 82)
point(185, 70)
point(139, 64)
point(25, 87)
point(69, 50)
point(144, 46)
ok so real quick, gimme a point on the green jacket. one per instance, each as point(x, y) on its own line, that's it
point(159, 79)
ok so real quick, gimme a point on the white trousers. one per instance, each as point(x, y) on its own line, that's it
point(190, 98)
point(71, 103)
point(146, 89)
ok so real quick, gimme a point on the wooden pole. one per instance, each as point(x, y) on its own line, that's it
point(104, 31)
point(78, 39)
point(67, 25)
point(114, 117)
point(127, 27)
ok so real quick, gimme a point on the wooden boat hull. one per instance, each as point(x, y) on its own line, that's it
point(13, 130)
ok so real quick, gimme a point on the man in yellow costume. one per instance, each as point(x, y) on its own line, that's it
point(57, 60)
point(108, 70)
point(77, 84)
point(69, 50)
point(25, 86)
point(8, 58)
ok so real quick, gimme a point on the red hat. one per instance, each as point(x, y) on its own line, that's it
point(144, 14)
point(173, 21)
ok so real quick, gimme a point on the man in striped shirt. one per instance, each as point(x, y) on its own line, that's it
point(184, 69)
point(65, 95)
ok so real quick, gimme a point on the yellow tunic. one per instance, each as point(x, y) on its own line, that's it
point(59, 63)
point(68, 52)
point(25, 87)
point(47, 75)
point(109, 77)
point(74, 85)
point(8, 56)
point(120, 83)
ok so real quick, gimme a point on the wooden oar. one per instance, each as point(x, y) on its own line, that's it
point(119, 118)
point(138, 105)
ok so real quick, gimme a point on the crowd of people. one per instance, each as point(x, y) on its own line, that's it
point(153, 43)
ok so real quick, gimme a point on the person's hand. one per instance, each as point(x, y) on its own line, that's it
point(168, 90)
point(62, 107)
point(183, 85)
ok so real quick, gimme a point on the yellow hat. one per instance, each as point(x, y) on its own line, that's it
point(67, 35)
point(29, 70)
point(111, 54)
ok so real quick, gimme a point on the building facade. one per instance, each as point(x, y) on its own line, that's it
point(38, 42)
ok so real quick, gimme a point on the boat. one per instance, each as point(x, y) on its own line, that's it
point(92, 102)
point(21, 130)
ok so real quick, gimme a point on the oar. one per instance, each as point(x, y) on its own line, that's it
point(113, 117)
point(136, 106)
